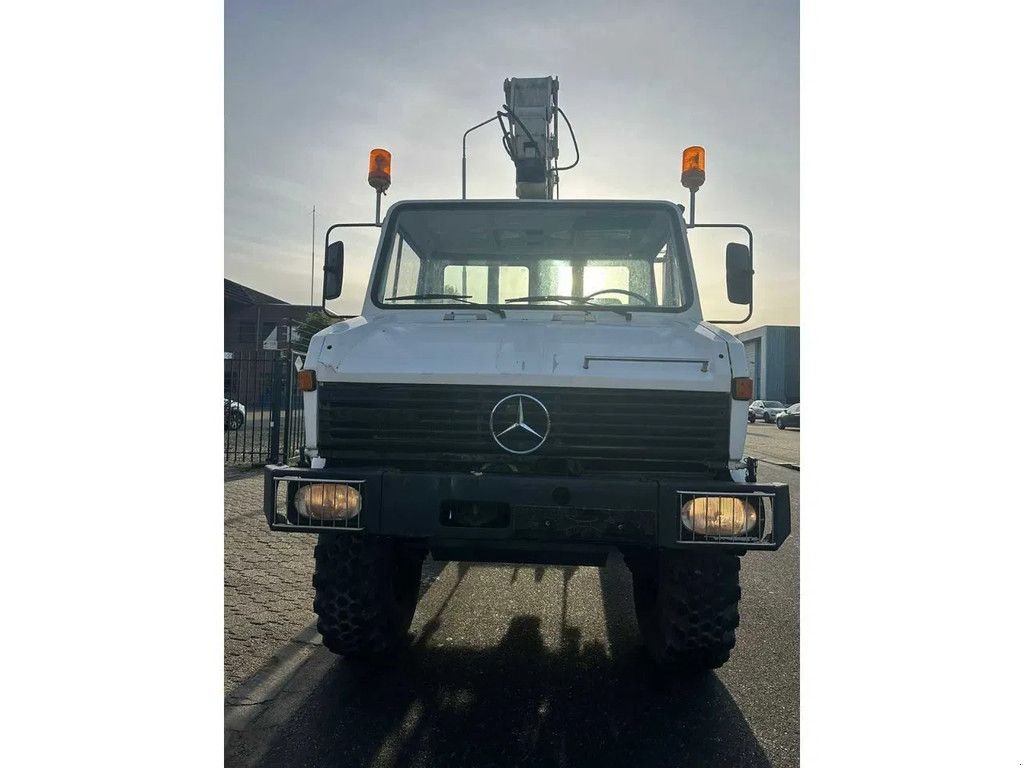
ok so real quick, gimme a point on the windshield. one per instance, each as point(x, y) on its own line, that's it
point(528, 255)
point(773, 404)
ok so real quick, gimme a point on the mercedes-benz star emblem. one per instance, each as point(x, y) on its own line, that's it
point(520, 423)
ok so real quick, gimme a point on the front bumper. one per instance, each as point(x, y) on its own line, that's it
point(545, 512)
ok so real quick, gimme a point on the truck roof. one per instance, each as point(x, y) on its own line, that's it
point(517, 201)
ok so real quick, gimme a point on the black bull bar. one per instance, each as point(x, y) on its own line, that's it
point(503, 509)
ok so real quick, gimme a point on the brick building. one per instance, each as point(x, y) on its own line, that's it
point(251, 317)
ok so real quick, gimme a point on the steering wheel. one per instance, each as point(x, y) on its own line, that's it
point(644, 299)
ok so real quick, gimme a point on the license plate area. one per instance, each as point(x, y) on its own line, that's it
point(462, 513)
point(584, 523)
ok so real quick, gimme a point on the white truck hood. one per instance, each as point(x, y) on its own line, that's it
point(524, 350)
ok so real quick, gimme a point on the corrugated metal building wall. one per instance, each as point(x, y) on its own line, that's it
point(773, 352)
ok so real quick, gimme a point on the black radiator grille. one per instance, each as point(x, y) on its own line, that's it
point(427, 424)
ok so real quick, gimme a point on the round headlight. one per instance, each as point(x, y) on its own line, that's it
point(328, 501)
point(718, 516)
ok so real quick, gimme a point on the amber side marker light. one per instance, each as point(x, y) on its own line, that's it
point(307, 381)
point(742, 388)
point(380, 169)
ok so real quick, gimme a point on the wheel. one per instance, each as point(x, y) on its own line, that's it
point(779, 424)
point(766, 419)
point(235, 419)
point(365, 594)
point(750, 418)
point(687, 606)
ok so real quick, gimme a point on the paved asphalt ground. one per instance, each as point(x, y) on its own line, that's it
point(513, 666)
point(769, 443)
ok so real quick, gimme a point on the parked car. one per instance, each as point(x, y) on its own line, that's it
point(234, 414)
point(789, 417)
point(764, 409)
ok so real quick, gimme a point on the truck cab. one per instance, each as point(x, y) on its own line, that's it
point(530, 381)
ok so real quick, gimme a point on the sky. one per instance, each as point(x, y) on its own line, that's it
point(311, 87)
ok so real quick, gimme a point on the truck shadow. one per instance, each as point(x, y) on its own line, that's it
point(518, 703)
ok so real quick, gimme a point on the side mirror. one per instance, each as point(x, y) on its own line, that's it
point(334, 263)
point(739, 273)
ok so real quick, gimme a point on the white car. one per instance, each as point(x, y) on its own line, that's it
point(789, 417)
point(234, 414)
point(764, 409)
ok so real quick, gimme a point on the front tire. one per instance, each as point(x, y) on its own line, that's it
point(235, 420)
point(779, 424)
point(365, 594)
point(687, 606)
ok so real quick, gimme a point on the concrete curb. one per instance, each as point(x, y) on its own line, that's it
point(784, 464)
point(250, 698)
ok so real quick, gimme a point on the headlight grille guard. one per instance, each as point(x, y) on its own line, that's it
point(283, 515)
point(763, 535)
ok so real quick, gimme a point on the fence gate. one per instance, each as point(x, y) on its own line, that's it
point(262, 407)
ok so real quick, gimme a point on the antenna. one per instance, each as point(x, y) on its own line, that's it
point(312, 259)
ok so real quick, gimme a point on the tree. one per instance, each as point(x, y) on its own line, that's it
point(309, 325)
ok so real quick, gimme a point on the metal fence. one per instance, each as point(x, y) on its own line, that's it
point(262, 407)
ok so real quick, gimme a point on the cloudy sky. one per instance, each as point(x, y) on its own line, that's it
point(311, 87)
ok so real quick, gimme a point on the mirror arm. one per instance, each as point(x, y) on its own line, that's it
point(750, 313)
point(750, 236)
point(327, 242)
point(326, 311)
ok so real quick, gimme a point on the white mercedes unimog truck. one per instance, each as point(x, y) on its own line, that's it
point(530, 381)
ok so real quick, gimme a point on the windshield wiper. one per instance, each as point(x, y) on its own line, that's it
point(432, 296)
point(462, 298)
point(574, 302)
point(543, 297)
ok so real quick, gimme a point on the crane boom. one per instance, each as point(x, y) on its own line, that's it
point(532, 104)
